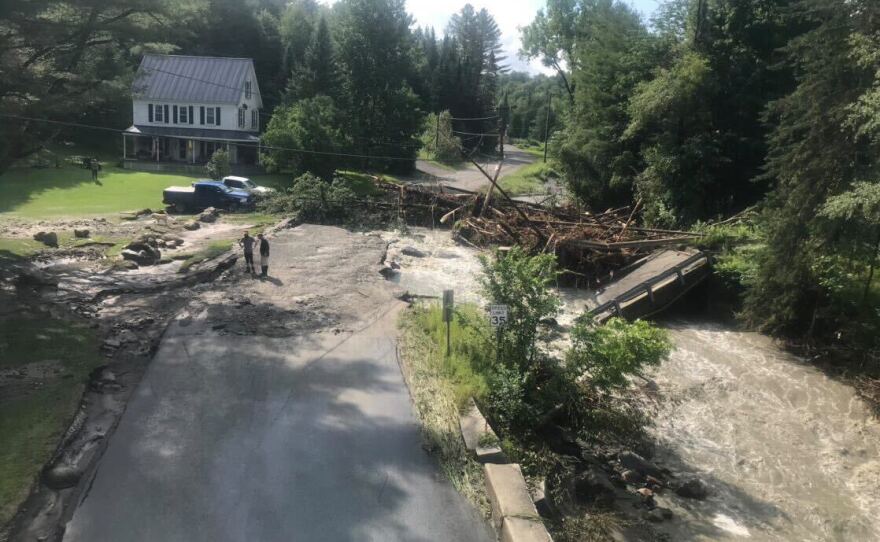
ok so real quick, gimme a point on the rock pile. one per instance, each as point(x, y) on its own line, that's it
point(209, 215)
point(143, 251)
point(47, 238)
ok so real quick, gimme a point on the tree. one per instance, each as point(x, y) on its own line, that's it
point(438, 140)
point(551, 37)
point(316, 75)
point(375, 60)
point(218, 166)
point(823, 142)
point(314, 127)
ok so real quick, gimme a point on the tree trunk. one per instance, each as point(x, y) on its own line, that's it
point(870, 278)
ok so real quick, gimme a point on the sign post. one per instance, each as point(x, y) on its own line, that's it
point(448, 302)
point(498, 319)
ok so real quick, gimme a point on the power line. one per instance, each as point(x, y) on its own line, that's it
point(474, 134)
point(476, 118)
point(240, 144)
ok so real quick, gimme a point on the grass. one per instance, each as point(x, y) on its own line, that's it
point(32, 424)
point(216, 248)
point(68, 191)
point(528, 179)
point(439, 386)
point(19, 248)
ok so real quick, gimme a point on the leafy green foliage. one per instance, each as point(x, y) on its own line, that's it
point(311, 199)
point(311, 127)
point(438, 140)
point(522, 283)
point(218, 166)
point(609, 353)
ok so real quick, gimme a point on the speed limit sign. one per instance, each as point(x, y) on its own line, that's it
point(498, 315)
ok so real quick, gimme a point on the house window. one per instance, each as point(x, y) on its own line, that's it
point(158, 109)
point(241, 117)
point(247, 89)
point(184, 119)
point(255, 119)
point(209, 118)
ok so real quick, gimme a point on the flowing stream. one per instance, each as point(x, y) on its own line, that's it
point(787, 452)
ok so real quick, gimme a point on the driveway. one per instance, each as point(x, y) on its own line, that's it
point(276, 410)
point(468, 177)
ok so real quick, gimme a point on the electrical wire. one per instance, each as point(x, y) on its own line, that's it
point(240, 144)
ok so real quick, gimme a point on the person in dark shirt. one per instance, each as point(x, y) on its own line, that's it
point(264, 255)
point(247, 243)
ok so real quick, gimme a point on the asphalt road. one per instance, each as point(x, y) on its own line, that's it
point(467, 176)
point(277, 411)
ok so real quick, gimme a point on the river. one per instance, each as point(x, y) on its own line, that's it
point(787, 452)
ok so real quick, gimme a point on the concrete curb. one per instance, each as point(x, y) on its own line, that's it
point(514, 514)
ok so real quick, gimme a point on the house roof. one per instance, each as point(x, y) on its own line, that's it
point(192, 78)
point(207, 134)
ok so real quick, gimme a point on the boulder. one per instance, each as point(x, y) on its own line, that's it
point(47, 238)
point(209, 215)
point(191, 225)
point(81, 234)
point(693, 488)
point(140, 257)
point(61, 476)
point(592, 486)
point(658, 514)
point(632, 477)
point(413, 252)
point(634, 461)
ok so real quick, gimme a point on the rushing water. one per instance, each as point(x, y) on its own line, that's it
point(787, 452)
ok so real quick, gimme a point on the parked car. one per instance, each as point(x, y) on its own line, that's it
point(243, 183)
point(206, 193)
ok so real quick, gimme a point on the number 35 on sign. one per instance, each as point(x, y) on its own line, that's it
point(498, 315)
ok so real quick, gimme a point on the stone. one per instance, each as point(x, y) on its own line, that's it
point(112, 343)
point(81, 234)
point(645, 492)
point(693, 488)
point(632, 477)
point(144, 212)
point(652, 482)
point(208, 215)
point(413, 252)
point(61, 476)
point(592, 486)
point(191, 225)
point(126, 265)
point(47, 238)
point(634, 461)
point(141, 257)
point(658, 514)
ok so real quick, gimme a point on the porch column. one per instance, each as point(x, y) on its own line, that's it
point(192, 150)
point(156, 147)
point(124, 153)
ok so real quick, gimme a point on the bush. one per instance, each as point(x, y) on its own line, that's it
point(521, 282)
point(312, 199)
point(218, 166)
point(438, 140)
point(608, 354)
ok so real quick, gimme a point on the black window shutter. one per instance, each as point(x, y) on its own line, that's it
point(201, 114)
point(175, 114)
point(166, 114)
point(217, 117)
point(150, 112)
point(191, 119)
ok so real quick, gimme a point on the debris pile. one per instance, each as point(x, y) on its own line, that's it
point(588, 245)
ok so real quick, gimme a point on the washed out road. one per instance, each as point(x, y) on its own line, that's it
point(277, 411)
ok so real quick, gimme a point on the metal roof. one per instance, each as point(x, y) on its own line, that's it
point(191, 78)
point(207, 134)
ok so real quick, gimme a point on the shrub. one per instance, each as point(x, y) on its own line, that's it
point(521, 282)
point(607, 354)
point(312, 199)
point(218, 166)
point(438, 139)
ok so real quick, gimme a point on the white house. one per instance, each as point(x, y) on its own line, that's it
point(186, 107)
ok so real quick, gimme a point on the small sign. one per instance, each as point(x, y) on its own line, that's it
point(498, 315)
point(448, 303)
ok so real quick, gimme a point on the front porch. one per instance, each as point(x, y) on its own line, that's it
point(149, 149)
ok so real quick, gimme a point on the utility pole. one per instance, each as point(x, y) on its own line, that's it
point(547, 126)
point(437, 136)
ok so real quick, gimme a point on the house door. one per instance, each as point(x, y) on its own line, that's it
point(181, 149)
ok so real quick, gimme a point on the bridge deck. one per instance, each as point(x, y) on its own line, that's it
point(658, 281)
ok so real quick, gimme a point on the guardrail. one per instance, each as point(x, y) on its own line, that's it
point(647, 286)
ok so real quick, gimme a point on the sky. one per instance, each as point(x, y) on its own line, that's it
point(509, 14)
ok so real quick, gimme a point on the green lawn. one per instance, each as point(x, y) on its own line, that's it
point(528, 179)
point(31, 423)
point(68, 191)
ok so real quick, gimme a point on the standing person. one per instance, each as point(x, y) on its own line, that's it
point(95, 166)
point(247, 243)
point(264, 255)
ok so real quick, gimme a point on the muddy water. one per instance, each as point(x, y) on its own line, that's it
point(788, 453)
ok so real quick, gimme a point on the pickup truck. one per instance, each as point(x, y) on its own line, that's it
point(203, 194)
point(249, 186)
